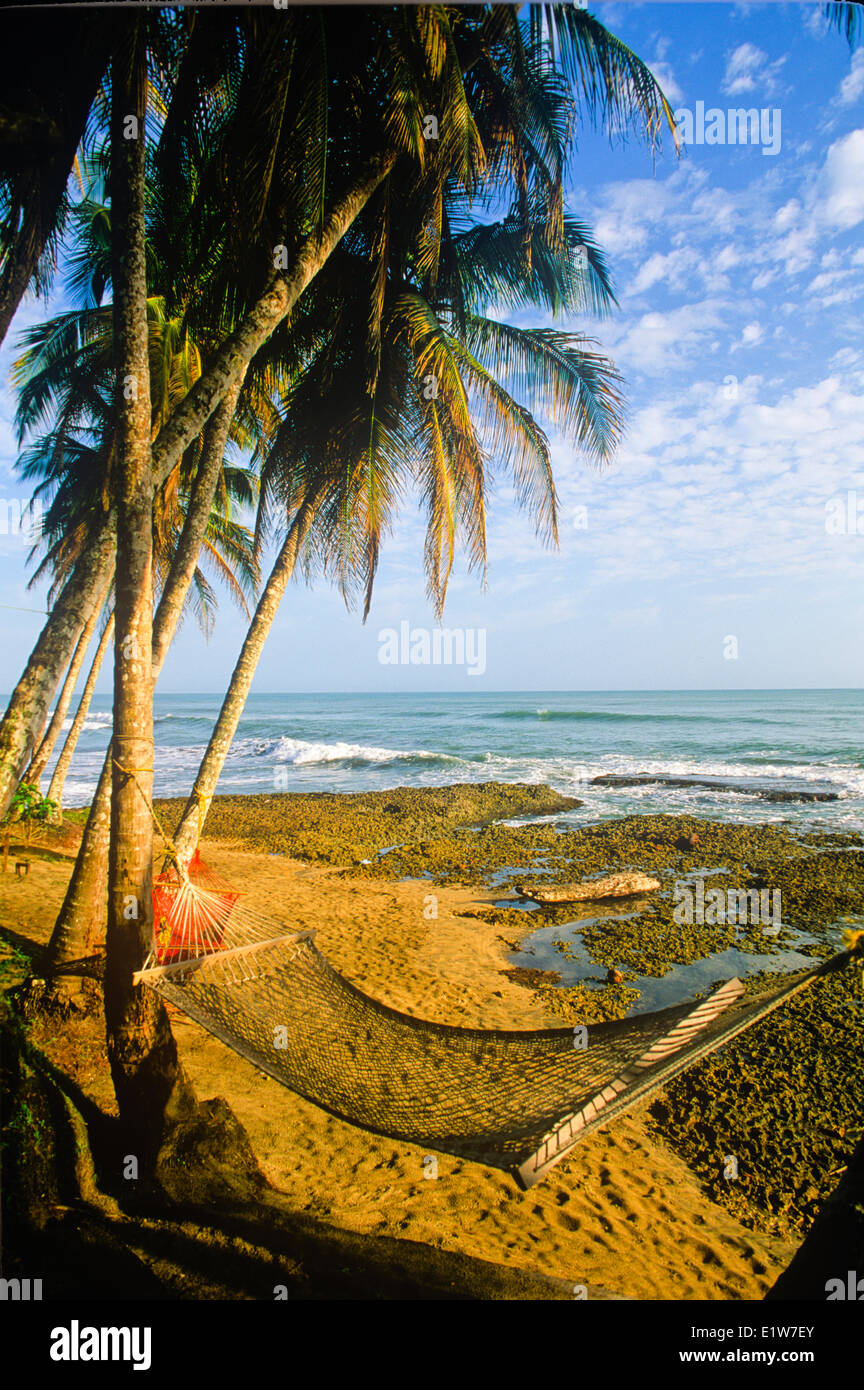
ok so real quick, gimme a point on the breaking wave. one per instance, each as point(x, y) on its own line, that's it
point(299, 751)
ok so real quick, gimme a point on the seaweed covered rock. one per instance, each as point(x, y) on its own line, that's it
point(341, 828)
point(833, 1247)
point(207, 1158)
point(785, 1100)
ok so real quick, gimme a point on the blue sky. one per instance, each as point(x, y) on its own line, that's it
point(740, 277)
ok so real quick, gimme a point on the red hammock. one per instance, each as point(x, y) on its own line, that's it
point(189, 918)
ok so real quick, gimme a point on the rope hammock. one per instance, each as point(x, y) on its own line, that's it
point(513, 1100)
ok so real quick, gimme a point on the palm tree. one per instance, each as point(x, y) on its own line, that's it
point(324, 109)
point(66, 370)
point(66, 373)
point(46, 747)
point(577, 381)
point(81, 920)
point(148, 1080)
point(509, 124)
point(339, 455)
point(61, 768)
point(31, 698)
point(476, 70)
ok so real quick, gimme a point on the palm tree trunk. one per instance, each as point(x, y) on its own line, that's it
point(28, 706)
point(275, 304)
point(81, 920)
point(149, 1083)
point(58, 778)
point(45, 743)
point(82, 917)
point(46, 747)
point(185, 558)
point(21, 267)
point(188, 828)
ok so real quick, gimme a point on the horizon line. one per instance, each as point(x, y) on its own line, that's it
point(539, 690)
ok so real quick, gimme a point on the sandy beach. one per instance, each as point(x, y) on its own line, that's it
point(624, 1215)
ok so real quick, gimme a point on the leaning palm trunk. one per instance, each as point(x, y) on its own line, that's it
point(195, 524)
point(189, 827)
point(46, 747)
point(149, 1083)
point(61, 771)
point(274, 305)
point(28, 706)
point(25, 715)
point(81, 920)
point(82, 915)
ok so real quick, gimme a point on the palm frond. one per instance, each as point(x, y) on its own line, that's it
point(847, 18)
point(567, 383)
point(615, 85)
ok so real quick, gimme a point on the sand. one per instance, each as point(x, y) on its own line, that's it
point(623, 1213)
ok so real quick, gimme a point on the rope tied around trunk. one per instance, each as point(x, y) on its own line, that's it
point(201, 799)
point(170, 847)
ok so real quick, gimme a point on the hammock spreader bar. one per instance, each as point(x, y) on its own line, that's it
point(614, 1097)
point(643, 1079)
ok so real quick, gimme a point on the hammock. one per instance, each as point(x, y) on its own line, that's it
point(519, 1101)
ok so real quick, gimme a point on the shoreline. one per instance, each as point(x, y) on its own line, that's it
point(725, 755)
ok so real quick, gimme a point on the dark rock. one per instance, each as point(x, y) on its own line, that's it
point(723, 784)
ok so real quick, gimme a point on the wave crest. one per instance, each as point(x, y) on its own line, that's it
point(298, 751)
point(611, 716)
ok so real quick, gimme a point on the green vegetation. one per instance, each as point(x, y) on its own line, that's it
point(786, 1100)
point(30, 807)
point(349, 828)
point(27, 807)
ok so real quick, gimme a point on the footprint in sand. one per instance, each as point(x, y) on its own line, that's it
point(566, 1222)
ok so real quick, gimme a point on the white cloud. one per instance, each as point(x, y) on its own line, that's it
point(630, 213)
point(852, 86)
point(737, 489)
point(788, 215)
point(674, 268)
point(841, 184)
point(657, 341)
point(814, 21)
point(749, 69)
point(846, 357)
point(666, 78)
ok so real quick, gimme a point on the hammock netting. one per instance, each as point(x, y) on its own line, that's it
point(513, 1100)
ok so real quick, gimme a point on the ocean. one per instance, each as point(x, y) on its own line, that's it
point(794, 756)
